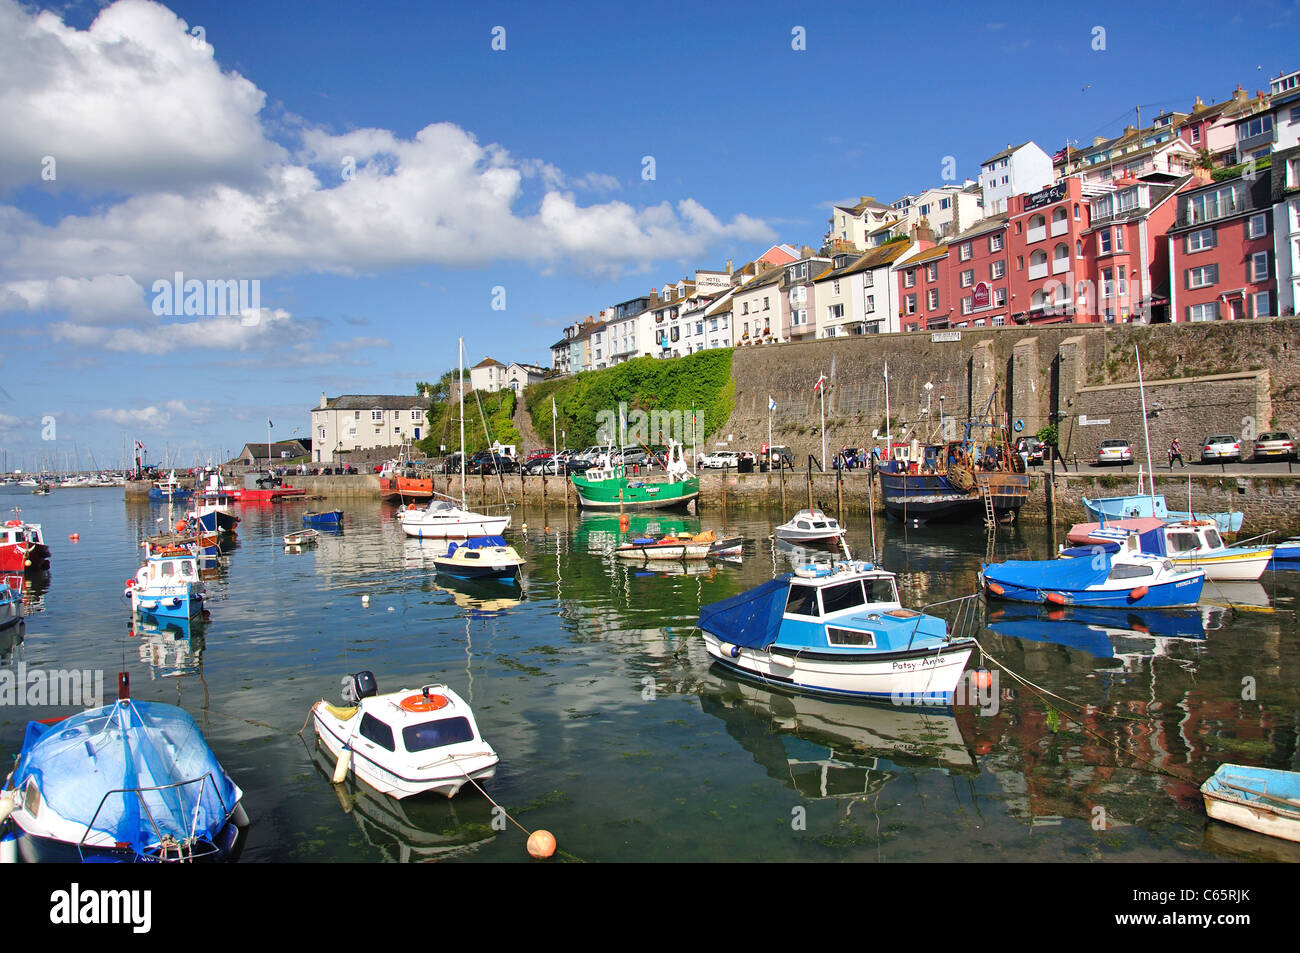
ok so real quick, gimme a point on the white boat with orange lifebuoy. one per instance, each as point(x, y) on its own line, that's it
point(406, 742)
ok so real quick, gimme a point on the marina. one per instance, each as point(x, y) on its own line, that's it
point(616, 730)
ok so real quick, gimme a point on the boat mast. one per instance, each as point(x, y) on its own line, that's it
point(1146, 430)
point(460, 374)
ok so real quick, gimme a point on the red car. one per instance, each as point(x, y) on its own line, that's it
point(542, 454)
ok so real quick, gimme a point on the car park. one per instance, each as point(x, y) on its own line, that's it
point(1275, 445)
point(1221, 448)
point(1114, 451)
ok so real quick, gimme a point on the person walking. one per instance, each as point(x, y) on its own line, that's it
point(1176, 453)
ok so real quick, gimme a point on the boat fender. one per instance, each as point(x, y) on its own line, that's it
point(341, 768)
point(9, 849)
point(239, 817)
point(729, 650)
point(1056, 598)
point(1137, 593)
point(176, 601)
point(130, 583)
point(996, 589)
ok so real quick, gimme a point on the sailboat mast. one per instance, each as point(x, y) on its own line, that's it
point(1146, 429)
point(460, 374)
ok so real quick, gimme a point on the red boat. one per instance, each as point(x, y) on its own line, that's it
point(401, 480)
point(258, 488)
point(22, 549)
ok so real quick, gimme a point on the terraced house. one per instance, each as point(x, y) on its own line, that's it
point(364, 422)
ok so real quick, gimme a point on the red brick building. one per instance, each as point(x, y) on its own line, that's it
point(1047, 254)
point(1221, 251)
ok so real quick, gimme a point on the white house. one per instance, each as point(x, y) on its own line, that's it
point(1015, 170)
point(488, 375)
point(363, 422)
point(519, 376)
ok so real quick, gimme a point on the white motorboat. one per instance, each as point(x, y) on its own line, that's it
point(810, 526)
point(1189, 544)
point(406, 742)
point(442, 519)
point(480, 557)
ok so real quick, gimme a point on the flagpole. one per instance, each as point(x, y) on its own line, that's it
point(822, 391)
point(889, 424)
point(770, 404)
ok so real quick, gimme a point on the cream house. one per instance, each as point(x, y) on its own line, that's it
point(363, 422)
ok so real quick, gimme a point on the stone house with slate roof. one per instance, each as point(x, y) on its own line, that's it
point(365, 422)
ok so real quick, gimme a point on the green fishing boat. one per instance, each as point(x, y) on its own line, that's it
point(609, 487)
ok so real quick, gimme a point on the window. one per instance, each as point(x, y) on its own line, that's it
point(871, 304)
point(1259, 266)
point(1107, 282)
point(1263, 303)
point(945, 203)
point(1103, 242)
point(802, 600)
point(999, 300)
point(1078, 249)
point(1255, 127)
point(437, 734)
point(1200, 240)
point(835, 312)
point(847, 595)
point(1203, 312)
point(372, 729)
point(322, 433)
point(1207, 206)
point(1202, 277)
point(1119, 239)
point(997, 269)
point(835, 286)
point(766, 306)
point(968, 278)
point(1196, 134)
point(1257, 226)
point(932, 299)
point(799, 317)
point(909, 278)
point(995, 243)
point(415, 414)
point(967, 305)
point(1076, 211)
point(964, 252)
point(838, 636)
point(932, 272)
point(909, 304)
point(376, 415)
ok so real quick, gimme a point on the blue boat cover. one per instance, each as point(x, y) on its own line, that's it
point(751, 619)
point(90, 767)
point(477, 542)
point(1068, 575)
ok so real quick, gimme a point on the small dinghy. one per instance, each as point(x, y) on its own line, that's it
point(1118, 580)
point(700, 546)
point(133, 781)
point(326, 518)
point(1265, 800)
point(301, 538)
point(404, 743)
point(810, 526)
point(1286, 555)
point(479, 557)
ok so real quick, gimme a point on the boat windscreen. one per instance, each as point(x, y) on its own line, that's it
point(437, 734)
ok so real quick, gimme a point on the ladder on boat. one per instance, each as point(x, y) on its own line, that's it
point(990, 514)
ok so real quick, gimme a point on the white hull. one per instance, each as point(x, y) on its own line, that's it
point(918, 674)
point(422, 525)
point(1262, 822)
point(806, 536)
point(1226, 568)
point(446, 776)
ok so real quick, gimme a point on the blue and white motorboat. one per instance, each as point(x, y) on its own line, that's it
point(167, 584)
point(480, 557)
point(1189, 544)
point(1266, 800)
point(1153, 505)
point(170, 490)
point(133, 781)
point(329, 518)
point(11, 606)
point(1127, 577)
point(1286, 555)
point(836, 630)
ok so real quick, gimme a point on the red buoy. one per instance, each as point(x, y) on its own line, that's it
point(1056, 597)
point(996, 589)
point(1137, 593)
point(983, 678)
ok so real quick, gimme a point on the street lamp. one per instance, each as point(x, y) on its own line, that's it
point(943, 430)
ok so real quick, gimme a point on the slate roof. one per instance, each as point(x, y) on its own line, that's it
point(372, 402)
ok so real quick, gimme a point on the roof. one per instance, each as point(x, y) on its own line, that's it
point(920, 258)
point(372, 402)
point(1009, 150)
point(876, 258)
point(1159, 194)
point(258, 450)
point(990, 224)
point(864, 203)
point(487, 362)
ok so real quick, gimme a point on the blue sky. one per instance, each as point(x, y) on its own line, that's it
point(379, 171)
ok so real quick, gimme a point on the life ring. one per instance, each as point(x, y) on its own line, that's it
point(14, 523)
point(423, 702)
point(1019, 425)
point(1200, 522)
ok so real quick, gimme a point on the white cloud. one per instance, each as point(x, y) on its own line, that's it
point(103, 297)
point(154, 416)
point(131, 102)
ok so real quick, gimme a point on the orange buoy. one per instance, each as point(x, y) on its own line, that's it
point(983, 678)
point(180, 526)
point(1056, 598)
point(74, 537)
point(1137, 593)
point(422, 702)
point(541, 844)
point(996, 589)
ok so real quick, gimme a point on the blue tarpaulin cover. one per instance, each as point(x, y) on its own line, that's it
point(751, 619)
point(1070, 575)
point(124, 747)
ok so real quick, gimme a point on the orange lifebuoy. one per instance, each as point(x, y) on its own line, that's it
point(14, 523)
point(423, 702)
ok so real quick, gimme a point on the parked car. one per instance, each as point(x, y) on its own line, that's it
point(720, 459)
point(1276, 445)
point(1220, 448)
point(781, 458)
point(485, 461)
point(547, 465)
point(1115, 451)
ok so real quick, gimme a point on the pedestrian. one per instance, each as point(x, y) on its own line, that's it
point(1176, 453)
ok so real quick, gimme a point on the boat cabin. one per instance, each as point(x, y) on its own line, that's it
point(852, 606)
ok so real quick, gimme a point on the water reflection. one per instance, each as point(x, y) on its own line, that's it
point(172, 648)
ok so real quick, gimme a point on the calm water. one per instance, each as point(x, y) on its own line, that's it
point(616, 734)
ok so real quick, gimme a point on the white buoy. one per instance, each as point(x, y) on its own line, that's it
point(239, 815)
point(341, 768)
point(365, 600)
point(6, 806)
point(391, 609)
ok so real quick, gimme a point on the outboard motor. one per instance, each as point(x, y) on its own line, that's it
point(359, 686)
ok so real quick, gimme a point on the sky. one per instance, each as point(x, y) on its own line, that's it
point(386, 178)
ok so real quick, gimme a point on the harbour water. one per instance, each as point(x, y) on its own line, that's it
point(617, 734)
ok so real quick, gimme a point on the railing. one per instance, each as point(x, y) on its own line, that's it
point(185, 851)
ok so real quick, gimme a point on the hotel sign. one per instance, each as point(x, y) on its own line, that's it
point(980, 298)
point(1046, 197)
point(939, 336)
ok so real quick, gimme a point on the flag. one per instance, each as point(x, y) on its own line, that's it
point(818, 385)
point(555, 413)
point(771, 404)
point(268, 423)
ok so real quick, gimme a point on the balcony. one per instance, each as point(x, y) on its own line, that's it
point(1059, 267)
point(1060, 226)
point(1038, 271)
point(1036, 234)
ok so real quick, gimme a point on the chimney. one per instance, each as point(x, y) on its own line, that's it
point(1129, 130)
point(323, 401)
point(1098, 140)
point(728, 266)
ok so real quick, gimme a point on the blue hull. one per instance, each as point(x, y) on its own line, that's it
point(176, 495)
point(1286, 557)
point(1165, 595)
point(217, 523)
point(333, 518)
point(187, 609)
point(225, 848)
